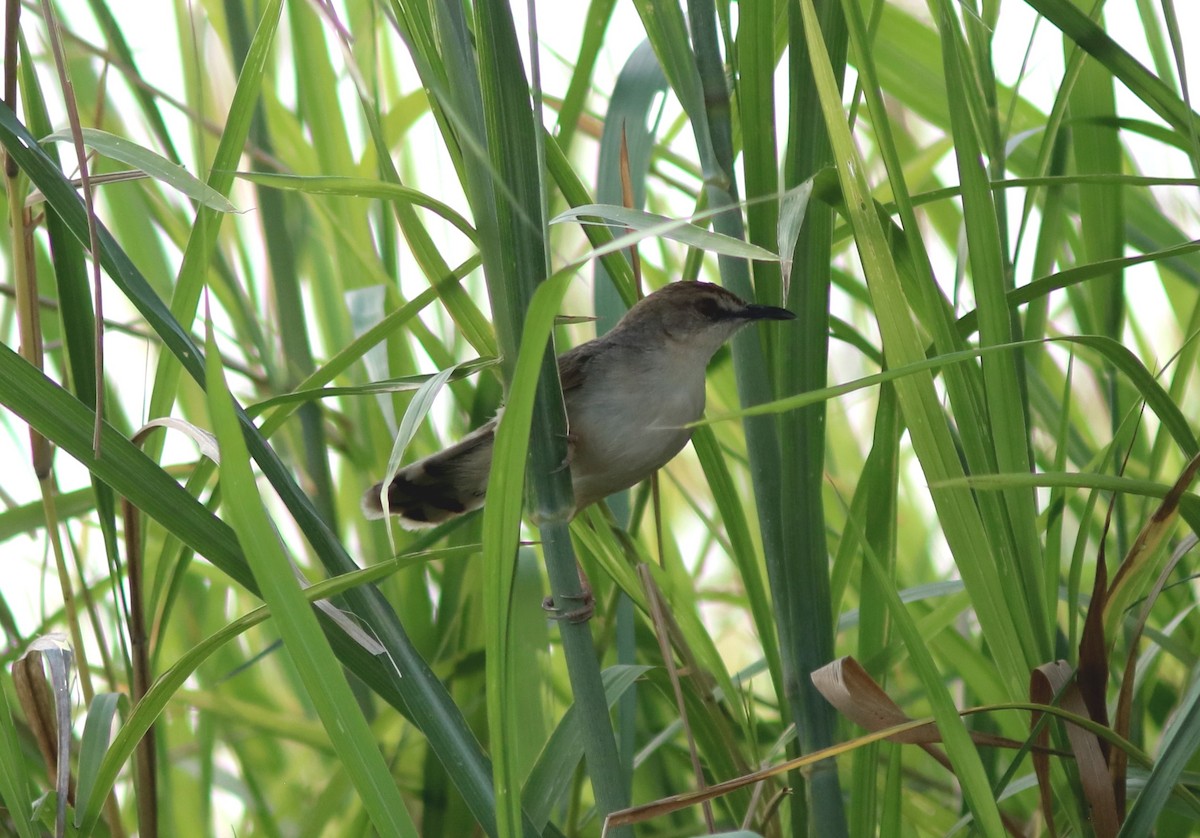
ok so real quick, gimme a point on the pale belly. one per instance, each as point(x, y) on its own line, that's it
point(634, 437)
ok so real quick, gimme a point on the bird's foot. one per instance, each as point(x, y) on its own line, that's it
point(566, 463)
point(581, 614)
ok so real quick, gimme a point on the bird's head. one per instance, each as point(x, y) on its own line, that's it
point(696, 315)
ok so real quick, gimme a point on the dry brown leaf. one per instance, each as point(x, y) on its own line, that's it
point(850, 688)
point(1133, 568)
point(1045, 683)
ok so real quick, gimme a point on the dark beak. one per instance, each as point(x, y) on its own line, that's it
point(757, 312)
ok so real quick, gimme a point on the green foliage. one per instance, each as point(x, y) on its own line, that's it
point(968, 463)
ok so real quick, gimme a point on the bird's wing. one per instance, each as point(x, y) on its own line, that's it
point(571, 365)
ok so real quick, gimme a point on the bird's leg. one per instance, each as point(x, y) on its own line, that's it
point(587, 606)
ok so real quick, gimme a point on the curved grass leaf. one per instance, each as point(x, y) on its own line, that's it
point(401, 384)
point(358, 187)
point(150, 163)
point(648, 224)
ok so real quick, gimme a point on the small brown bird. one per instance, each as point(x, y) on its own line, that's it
point(629, 396)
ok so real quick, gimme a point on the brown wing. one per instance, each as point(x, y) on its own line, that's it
point(571, 365)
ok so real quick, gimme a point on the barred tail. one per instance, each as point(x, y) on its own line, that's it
point(441, 486)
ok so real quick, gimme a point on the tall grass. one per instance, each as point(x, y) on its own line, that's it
point(967, 464)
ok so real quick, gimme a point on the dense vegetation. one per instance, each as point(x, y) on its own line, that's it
point(957, 487)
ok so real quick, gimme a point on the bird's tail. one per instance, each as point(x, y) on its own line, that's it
point(441, 486)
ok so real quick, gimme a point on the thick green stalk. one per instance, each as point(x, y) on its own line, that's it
point(785, 469)
point(802, 364)
point(513, 142)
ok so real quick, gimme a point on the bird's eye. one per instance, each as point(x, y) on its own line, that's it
point(710, 308)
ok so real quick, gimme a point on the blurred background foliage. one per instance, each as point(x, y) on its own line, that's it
point(968, 464)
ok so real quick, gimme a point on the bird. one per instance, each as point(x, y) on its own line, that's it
point(630, 396)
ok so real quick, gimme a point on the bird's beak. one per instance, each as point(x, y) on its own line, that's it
point(757, 312)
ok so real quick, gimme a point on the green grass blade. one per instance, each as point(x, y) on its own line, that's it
point(501, 528)
point(96, 732)
point(319, 669)
point(1181, 741)
point(14, 770)
point(193, 272)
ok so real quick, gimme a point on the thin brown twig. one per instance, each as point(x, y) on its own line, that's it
point(654, 600)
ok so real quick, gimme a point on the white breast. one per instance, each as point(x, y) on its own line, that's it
point(622, 429)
